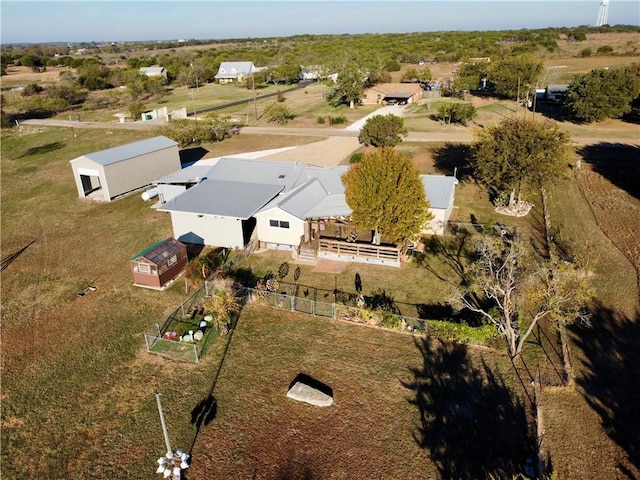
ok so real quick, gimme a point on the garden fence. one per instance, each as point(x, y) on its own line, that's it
point(336, 311)
point(182, 318)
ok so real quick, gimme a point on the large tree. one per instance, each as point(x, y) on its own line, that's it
point(514, 292)
point(519, 154)
point(382, 131)
point(512, 76)
point(353, 71)
point(385, 193)
point(603, 94)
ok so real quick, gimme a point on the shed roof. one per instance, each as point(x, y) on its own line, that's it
point(129, 151)
point(223, 199)
point(160, 251)
point(439, 189)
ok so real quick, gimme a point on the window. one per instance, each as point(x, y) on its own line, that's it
point(278, 223)
point(144, 268)
point(172, 260)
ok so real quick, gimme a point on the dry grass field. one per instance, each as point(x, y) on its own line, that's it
point(78, 386)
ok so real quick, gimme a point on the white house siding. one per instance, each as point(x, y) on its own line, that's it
point(437, 224)
point(207, 230)
point(277, 237)
point(138, 172)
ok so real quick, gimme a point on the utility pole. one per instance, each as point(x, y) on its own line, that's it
point(253, 87)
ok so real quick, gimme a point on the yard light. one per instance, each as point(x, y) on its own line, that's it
point(172, 463)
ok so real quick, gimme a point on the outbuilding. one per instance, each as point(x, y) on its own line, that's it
point(108, 174)
point(158, 265)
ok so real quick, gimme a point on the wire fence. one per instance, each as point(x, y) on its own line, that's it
point(356, 314)
point(184, 334)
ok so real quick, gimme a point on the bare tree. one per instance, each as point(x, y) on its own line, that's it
point(503, 283)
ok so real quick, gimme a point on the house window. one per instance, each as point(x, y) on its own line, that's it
point(278, 223)
point(172, 260)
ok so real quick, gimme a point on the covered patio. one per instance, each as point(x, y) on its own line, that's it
point(338, 239)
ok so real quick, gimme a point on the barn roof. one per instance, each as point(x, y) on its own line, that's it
point(129, 151)
point(160, 251)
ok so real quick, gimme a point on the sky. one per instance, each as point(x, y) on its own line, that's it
point(116, 21)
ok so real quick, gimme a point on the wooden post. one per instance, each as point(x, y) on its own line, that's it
point(537, 392)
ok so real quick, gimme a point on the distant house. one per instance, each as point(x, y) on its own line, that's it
point(311, 72)
point(392, 93)
point(108, 174)
point(230, 72)
point(285, 206)
point(556, 92)
point(158, 265)
point(155, 72)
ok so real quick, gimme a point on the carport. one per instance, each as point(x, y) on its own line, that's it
point(397, 98)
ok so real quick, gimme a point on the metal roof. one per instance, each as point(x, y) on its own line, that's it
point(130, 150)
point(191, 174)
point(223, 199)
point(311, 200)
point(439, 189)
point(330, 179)
point(257, 172)
point(160, 251)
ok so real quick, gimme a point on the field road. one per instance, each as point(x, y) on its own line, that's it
point(351, 131)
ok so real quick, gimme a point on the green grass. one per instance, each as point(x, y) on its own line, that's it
point(76, 369)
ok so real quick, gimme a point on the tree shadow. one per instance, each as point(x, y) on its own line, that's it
point(616, 162)
point(473, 424)
point(610, 374)
point(41, 149)
point(453, 251)
point(380, 299)
point(446, 312)
point(453, 158)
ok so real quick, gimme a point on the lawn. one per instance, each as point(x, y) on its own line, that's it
point(78, 385)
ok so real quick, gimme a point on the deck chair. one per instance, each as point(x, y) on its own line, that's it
point(353, 236)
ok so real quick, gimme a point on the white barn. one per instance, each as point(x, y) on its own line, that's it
point(108, 174)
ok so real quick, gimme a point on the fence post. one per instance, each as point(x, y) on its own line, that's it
point(292, 302)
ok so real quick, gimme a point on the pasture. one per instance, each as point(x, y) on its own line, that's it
point(78, 385)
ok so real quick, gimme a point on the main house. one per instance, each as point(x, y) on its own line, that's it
point(283, 206)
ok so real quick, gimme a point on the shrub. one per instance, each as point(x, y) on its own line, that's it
point(604, 50)
point(585, 52)
point(320, 121)
point(337, 120)
point(278, 113)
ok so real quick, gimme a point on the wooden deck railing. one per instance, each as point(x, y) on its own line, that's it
point(365, 250)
